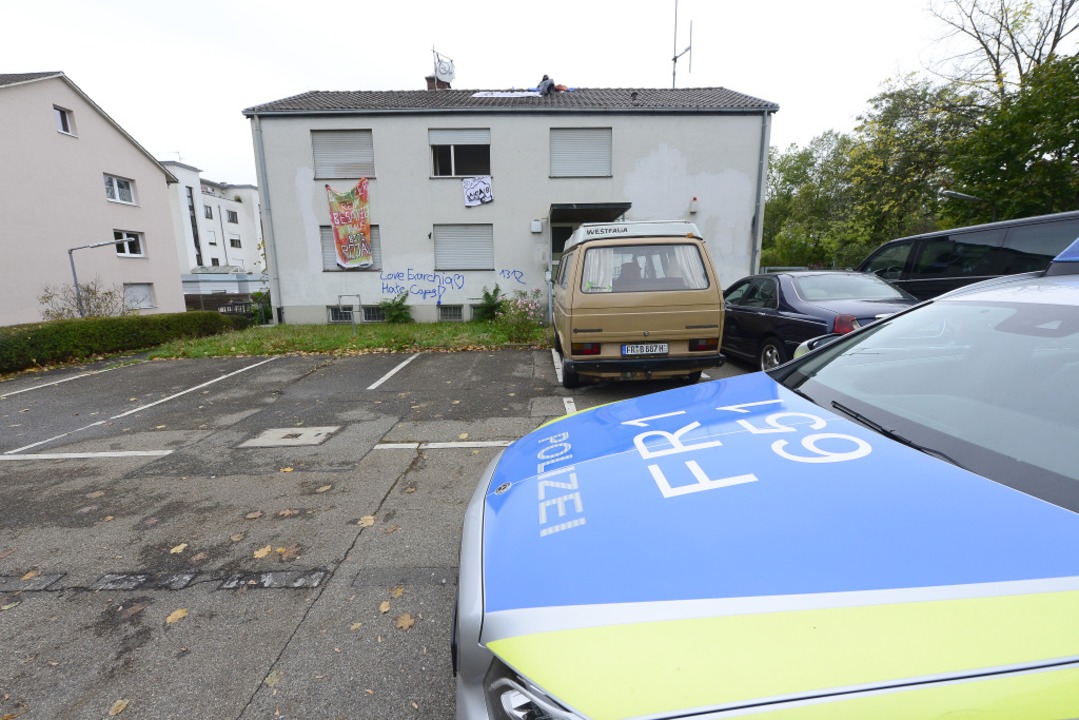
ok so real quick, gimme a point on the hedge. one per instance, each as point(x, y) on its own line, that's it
point(23, 346)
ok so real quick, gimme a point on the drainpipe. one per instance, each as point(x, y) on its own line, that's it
point(267, 217)
point(758, 210)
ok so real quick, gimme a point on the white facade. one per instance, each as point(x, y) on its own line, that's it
point(216, 224)
point(71, 177)
point(702, 165)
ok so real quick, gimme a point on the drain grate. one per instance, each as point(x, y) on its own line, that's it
point(291, 437)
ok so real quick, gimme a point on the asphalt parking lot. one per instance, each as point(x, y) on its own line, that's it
point(250, 537)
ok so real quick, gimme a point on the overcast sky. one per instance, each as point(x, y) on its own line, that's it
point(177, 75)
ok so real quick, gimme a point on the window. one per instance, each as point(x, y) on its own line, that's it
point(211, 237)
point(373, 313)
point(234, 241)
point(120, 190)
point(232, 216)
point(1033, 247)
point(464, 247)
point(128, 244)
point(960, 254)
point(343, 153)
point(890, 261)
point(340, 313)
point(329, 252)
point(637, 268)
point(208, 212)
point(580, 152)
point(214, 262)
point(139, 296)
point(460, 153)
point(65, 120)
point(451, 313)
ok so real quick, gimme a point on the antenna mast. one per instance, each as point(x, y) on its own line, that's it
point(689, 48)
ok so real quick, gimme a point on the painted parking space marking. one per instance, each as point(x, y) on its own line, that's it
point(85, 456)
point(444, 445)
point(69, 379)
point(391, 373)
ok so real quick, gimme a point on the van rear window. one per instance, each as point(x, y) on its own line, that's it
point(643, 268)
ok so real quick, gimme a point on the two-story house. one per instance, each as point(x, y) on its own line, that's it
point(71, 177)
point(468, 189)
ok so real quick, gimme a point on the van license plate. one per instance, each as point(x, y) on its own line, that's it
point(645, 349)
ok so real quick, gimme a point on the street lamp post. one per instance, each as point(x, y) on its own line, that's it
point(971, 198)
point(75, 277)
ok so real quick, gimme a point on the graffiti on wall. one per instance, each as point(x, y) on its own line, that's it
point(427, 286)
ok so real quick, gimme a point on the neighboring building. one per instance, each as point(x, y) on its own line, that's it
point(219, 238)
point(70, 177)
point(552, 163)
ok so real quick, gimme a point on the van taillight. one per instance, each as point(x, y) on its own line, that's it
point(844, 324)
point(585, 348)
point(704, 344)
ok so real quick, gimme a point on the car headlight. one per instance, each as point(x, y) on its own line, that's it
point(510, 697)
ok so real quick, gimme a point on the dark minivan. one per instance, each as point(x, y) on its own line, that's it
point(934, 263)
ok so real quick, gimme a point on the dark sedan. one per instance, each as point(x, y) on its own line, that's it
point(768, 315)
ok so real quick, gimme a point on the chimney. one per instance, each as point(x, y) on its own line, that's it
point(434, 83)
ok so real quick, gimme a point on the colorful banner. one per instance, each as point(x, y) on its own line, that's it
point(351, 229)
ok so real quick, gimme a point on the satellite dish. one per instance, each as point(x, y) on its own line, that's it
point(443, 67)
point(444, 70)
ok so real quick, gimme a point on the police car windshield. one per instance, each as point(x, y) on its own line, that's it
point(987, 383)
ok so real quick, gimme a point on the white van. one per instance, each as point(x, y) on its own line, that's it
point(636, 300)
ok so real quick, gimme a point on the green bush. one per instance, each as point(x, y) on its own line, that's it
point(395, 311)
point(23, 346)
point(488, 308)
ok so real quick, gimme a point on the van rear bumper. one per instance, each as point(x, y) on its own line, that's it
point(631, 365)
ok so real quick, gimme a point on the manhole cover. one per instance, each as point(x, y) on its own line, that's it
point(289, 437)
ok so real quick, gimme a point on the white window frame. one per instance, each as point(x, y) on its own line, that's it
point(464, 247)
point(343, 154)
point(234, 242)
point(139, 296)
point(65, 121)
point(581, 152)
point(232, 216)
point(329, 252)
point(208, 212)
point(114, 191)
point(454, 138)
point(125, 239)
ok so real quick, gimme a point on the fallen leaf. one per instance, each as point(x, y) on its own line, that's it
point(415, 706)
point(10, 606)
point(462, 436)
point(253, 515)
point(199, 557)
point(160, 427)
point(263, 551)
point(390, 529)
point(369, 691)
point(107, 518)
point(150, 521)
point(410, 489)
point(324, 488)
point(237, 537)
point(178, 549)
point(404, 621)
point(117, 708)
point(288, 512)
point(32, 574)
point(397, 591)
point(286, 469)
point(6, 553)
point(366, 521)
point(176, 616)
point(135, 609)
point(355, 626)
point(273, 678)
point(384, 607)
point(95, 494)
point(288, 553)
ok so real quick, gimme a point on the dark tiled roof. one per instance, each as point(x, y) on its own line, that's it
point(14, 78)
point(689, 100)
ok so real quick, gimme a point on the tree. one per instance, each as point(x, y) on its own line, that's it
point(1000, 41)
point(1024, 158)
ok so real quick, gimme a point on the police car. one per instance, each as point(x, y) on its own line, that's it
point(886, 527)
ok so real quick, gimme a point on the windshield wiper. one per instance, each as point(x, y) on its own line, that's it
point(892, 434)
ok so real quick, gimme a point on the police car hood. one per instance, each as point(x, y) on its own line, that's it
point(731, 544)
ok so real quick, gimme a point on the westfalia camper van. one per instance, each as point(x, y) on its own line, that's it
point(636, 300)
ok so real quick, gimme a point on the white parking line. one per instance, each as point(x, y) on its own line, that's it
point(557, 365)
point(88, 455)
point(391, 373)
point(57, 382)
point(443, 445)
point(571, 407)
